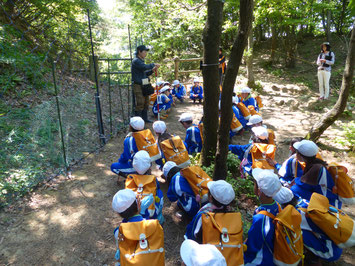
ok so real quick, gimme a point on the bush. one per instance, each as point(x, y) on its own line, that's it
point(348, 138)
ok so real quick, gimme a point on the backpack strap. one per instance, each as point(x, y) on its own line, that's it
point(266, 213)
point(173, 145)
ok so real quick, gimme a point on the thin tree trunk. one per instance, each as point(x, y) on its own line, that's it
point(211, 40)
point(273, 41)
point(329, 118)
point(246, 15)
point(249, 59)
point(328, 22)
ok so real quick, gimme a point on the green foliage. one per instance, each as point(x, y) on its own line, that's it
point(348, 138)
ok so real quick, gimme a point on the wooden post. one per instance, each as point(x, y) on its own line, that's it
point(92, 69)
point(176, 68)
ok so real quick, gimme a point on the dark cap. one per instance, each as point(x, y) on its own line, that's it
point(142, 48)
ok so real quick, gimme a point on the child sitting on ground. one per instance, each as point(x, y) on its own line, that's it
point(196, 92)
point(248, 100)
point(144, 184)
point(179, 91)
point(257, 121)
point(124, 164)
point(160, 130)
point(193, 141)
point(162, 103)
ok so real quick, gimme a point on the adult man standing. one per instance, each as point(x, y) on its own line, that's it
point(140, 77)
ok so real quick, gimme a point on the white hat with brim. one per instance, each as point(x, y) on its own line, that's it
point(246, 90)
point(175, 82)
point(141, 162)
point(260, 132)
point(136, 123)
point(165, 88)
point(186, 117)
point(159, 127)
point(167, 167)
point(306, 147)
point(194, 254)
point(196, 80)
point(159, 83)
point(254, 119)
point(122, 200)
point(221, 191)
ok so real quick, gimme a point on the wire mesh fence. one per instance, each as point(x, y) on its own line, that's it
point(48, 116)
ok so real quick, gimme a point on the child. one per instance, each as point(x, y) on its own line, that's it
point(260, 242)
point(248, 100)
point(238, 114)
point(257, 121)
point(221, 195)
point(179, 189)
point(193, 140)
point(163, 101)
point(260, 135)
point(194, 254)
point(316, 177)
point(160, 130)
point(179, 91)
point(138, 183)
point(124, 164)
point(196, 92)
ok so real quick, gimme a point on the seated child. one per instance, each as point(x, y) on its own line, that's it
point(257, 121)
point(179, 91)
point(248, 100)
point(316, 177)
point(196, 92)
point(193, 141)
point(144, 183)
point(163, 103)
point(160, 130)
point(260, 241)
point(124, 164)
point(179, 189)
point(194, 254)
point(221, 195)
point(238, 114)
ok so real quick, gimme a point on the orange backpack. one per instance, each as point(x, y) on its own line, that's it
point(245, 111)
point(288, 242)
point(259, 153)
point(252, 110)
point(141, 243)
point(143, 185)
point(258, 100)
point(343, 184)
point(152, 99)
point(336, 224)
point(174, 150)
point(271, 137)
point(225, 231)
point(197, 179)
point(235, 125)
point(200, 127)
point(146, 141)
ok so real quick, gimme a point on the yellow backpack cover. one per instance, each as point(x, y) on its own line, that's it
point(200, 127)
point(288, 242)
point(225, 231)
point(143, 185)
point(174, 150)
point(245, 111)
point(252, 110)
point(259, 101)
point(335, 223)
point(235, 125)
point(343, 184)
point(197, 179)
point(271, 137)
point(152, 99)
point(260, 152)
point(142, 243)
point(146, 141)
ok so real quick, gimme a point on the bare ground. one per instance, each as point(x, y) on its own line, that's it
point(70, 221)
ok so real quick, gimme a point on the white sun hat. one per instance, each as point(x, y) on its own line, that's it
point(194, 254)
point(254, 119)
point(175, 82)
point(221, 191)
point(159, 83)
point(260, 132)
point(159, 127)
point(137, 123)
point(122, 200)
point(165, 88)
point(196, 80)
point(167, 167)
point(186, 117)
point(246, 90)
point(141, 162)
point(306, 147)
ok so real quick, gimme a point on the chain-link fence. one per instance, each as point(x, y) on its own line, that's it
point(49, 103)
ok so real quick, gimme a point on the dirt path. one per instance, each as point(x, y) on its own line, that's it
point(70, 222)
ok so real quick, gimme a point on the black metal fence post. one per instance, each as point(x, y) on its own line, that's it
point(109, 93)
point(130, 81)
point(59, 118)
point(97, 94)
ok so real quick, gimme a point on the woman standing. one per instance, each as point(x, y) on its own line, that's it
point(325, 59)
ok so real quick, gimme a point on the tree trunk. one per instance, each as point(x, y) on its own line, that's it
point(328, 22)
point(273, 41)
point(249, 59)
point(211, 40)
point(329, 118)
point(290, 46)
point(246, 15)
